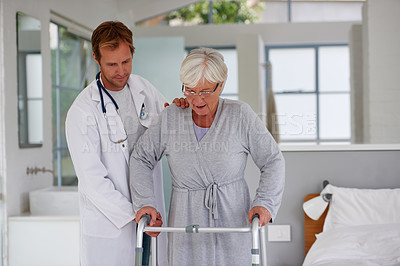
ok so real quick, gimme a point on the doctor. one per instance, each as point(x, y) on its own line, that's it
point(102, 126)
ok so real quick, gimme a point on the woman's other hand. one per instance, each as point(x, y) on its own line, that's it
point(155, 220)
point(262, 212)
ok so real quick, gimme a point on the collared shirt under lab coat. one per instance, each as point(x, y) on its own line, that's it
point(108, 234)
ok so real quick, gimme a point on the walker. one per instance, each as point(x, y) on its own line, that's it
point(258, 233)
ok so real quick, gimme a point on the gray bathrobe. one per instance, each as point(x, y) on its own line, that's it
point(208, 185)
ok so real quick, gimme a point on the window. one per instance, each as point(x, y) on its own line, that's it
point(311, 85)
point(231, 89)
point(208, 12)
point(72, 68)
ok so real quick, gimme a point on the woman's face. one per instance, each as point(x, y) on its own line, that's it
point(204, 105)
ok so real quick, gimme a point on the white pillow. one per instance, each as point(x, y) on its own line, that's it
point(352, 206)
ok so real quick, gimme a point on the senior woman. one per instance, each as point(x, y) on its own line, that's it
point(207, 147)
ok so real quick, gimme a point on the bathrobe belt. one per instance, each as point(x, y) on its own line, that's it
point(210, 200)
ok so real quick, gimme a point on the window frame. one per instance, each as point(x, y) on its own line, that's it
point(58, 148)
point(318, 140)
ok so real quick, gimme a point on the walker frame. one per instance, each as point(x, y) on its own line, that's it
point(258, 238)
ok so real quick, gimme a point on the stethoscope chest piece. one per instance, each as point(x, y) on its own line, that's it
point(143, 113)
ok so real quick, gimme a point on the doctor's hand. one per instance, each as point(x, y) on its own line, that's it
point(262, 212)
point(155, 220)
point(182, 102)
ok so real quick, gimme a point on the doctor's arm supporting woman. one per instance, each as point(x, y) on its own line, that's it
point(207, 146)
point(102, 126)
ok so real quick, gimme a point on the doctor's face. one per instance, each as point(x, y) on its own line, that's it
point(115, 66)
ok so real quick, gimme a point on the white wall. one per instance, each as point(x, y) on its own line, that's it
point(381, 70)
point(2, 102)
point(271, 34)
point(356, 84)
point(159, 61)
point(308, 11)
point(251, 71)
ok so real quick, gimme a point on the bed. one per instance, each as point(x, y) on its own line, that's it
point(359, 227)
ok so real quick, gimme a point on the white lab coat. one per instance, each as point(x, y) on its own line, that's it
point(108, 234)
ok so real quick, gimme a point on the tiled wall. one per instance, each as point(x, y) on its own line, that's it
point(381, 35)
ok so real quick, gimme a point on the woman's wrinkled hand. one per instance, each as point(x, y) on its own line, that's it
point(155, 221)
point(263, 213)
point(182, 102)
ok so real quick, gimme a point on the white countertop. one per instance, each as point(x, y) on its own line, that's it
point(28, 217)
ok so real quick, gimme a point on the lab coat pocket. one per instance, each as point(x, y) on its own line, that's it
point(95, 224)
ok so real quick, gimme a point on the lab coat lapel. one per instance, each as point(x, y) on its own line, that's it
point(116, 129)
point(138, 96)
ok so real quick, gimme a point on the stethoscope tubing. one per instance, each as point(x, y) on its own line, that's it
point(101, 90)
point(143, 113)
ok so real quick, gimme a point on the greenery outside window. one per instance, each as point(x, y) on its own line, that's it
point(209, 12)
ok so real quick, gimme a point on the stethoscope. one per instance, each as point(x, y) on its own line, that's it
point(142, 115)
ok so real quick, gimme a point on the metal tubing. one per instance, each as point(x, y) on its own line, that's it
point(255, 251)
point(200, 230)
point(263, 234)
point(154, 255)
point(258, 233)
point(141, 228)
point(138, 257)
point(165, 229)
point(139, 239)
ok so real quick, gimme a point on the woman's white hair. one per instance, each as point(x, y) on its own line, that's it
point(203, 63)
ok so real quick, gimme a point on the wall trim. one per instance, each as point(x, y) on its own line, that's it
point(347, 147)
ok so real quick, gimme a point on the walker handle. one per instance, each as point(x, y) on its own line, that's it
point(255, 216)
point(147, 218)
point(255, 250)
point(144, 220)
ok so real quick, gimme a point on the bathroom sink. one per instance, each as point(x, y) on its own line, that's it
point(55, 201)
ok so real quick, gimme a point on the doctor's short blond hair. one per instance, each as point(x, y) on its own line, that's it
point(203, 63)
point(110, 34)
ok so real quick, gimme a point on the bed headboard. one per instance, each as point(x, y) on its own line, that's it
point(311, 227)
